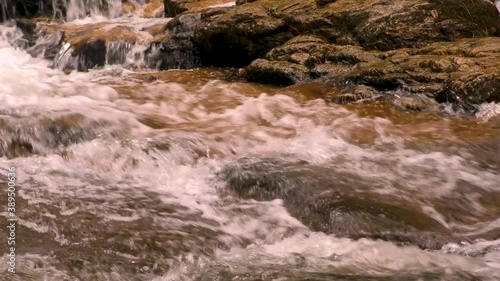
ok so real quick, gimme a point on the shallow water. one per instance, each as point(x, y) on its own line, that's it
point(123, 175)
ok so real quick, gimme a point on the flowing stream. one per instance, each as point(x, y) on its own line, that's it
point(128, 173)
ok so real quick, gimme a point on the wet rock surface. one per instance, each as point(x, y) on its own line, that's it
point(334, 203)
point(28, 136)
point(385, 25)
point(438, 48)
point(235, 37)
point(175, 7)
point(359, 42)
point(25, 8)
point(90, 245)
point(463, 72)
point(381, 25)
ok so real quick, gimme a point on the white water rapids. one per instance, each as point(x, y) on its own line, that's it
point(122, 179)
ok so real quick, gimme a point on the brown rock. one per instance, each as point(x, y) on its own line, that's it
point(276, 72)
point(464, 72)
point(386, 25)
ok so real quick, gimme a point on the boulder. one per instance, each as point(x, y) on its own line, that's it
point(464, 72)
point(25, 136)
point(388, 25)
point(237, 35)
point(94, 45)
point(332, 202)
point(83, 47)
point(279, 73)
point(174, 7)
point(305, 50)
point(177, 7)
point(290, 63)
point(305, 57)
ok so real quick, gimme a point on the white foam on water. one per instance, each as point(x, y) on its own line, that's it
point(207, 128)
point(33, 267)
point(488, 110)
point(315, 132)
point(224, 5)
point(130, 53)
point(347, 256)
point(317, 252)
point(29, 86)
point(93, 9)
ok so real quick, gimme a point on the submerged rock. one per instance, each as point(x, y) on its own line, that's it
point(334, 203)
point(29, 136)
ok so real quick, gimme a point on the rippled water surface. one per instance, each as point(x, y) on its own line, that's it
point(182, 175)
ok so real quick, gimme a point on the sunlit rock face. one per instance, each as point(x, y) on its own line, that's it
point(283, 42)
point(246, 32)
point(464, 71)
point(67, 9)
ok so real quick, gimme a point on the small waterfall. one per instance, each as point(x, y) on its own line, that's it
point(68, 9)
point(3, 7)
point(131, 55)
point(127, 54)
point(116, 52)
point(63, 58)
point(58, 8)
point(77, 9)
point(7, 10)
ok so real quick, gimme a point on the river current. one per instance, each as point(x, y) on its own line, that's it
point(127, 173)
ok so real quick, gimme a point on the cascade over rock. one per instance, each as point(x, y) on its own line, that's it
point(430, 47)
point(325, 202)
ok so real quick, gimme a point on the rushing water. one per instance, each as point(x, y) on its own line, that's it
point(179, 175)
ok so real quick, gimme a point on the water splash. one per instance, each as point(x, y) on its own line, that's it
point(96, 9)
point(486, 111)
point(128, 168)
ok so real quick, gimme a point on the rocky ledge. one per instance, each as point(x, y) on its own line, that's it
point(446, 50)
point(440, 49)
point(465, 72)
